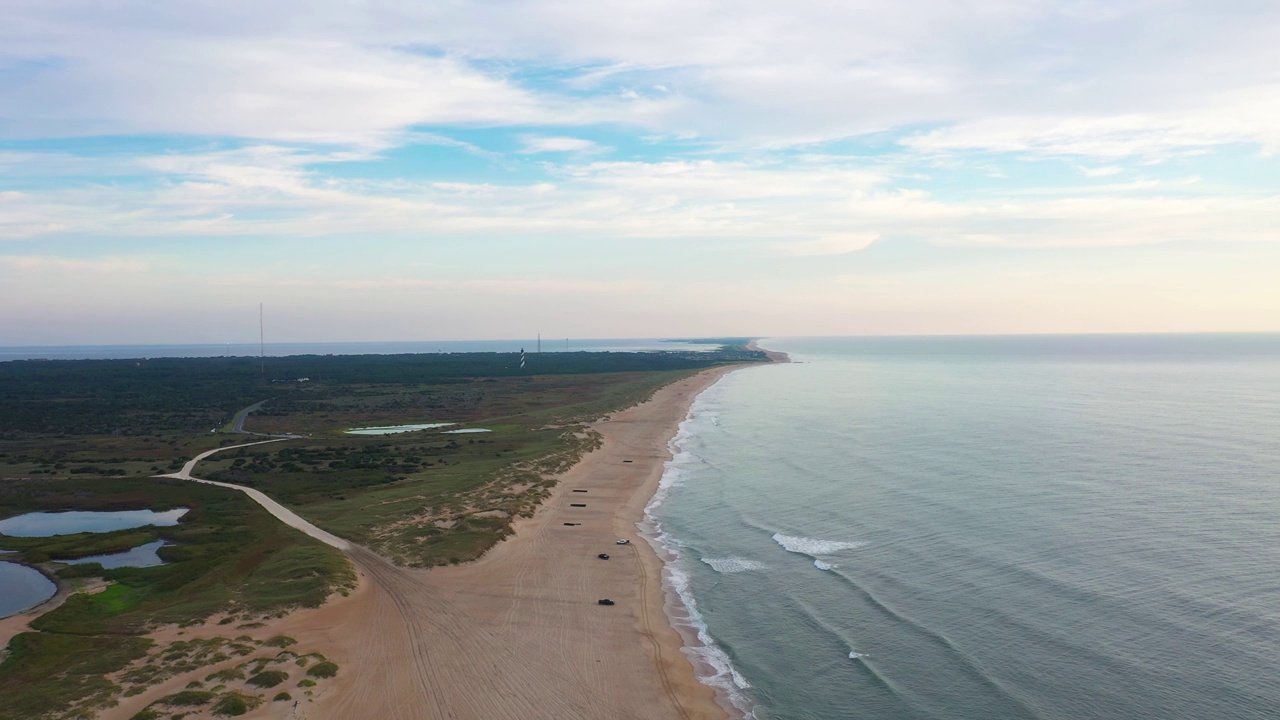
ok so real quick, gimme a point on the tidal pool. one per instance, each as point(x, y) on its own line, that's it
point(43, 524)
point(393, 429)
point(141, 556)
point(22, 587)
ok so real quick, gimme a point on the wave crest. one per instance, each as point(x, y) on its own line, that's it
point(813, 547)
point(733, 564)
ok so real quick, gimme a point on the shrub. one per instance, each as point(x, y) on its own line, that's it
point(233, 704)
point(323, 670)
point(186, 698)
point(269, 678)
point(226, 675)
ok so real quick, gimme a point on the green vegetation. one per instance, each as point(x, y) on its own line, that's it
point(324, 669)
point(227, 555)
point(233, 704)
point(267, 678)
point(45, 673)
point(89, 435)
point(187, 698)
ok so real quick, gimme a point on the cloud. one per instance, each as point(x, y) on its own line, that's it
point(1114, 79)
point(56, 265)
point(1104, 171)
point(1243, 118)
point(828, 245)
point(818, 206)
point(487, 286)
point(538, 144)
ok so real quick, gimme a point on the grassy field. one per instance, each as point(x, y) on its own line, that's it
point(428, 497)
point(227, 556)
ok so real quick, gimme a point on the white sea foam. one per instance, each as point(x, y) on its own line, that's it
point(824, 565)
point(813, 547)
point(855, 655)
point(710, 662)
point(733, 564)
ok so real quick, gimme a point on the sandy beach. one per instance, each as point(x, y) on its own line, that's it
point(519, 633)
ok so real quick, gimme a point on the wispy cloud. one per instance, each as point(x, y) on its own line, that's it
point(533, 144)
point(828, 245)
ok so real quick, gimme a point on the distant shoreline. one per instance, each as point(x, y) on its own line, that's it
point(776, 356)
point(286, 349)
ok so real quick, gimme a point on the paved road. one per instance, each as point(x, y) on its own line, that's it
point(240, 417)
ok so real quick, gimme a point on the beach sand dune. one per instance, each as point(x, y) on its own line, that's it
point(519, 633)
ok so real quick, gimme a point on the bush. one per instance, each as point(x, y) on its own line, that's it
point(226, 675)
point(266, 679)
point(281, 697)
point(233, 704)
point(323, 670)
point(186, 698)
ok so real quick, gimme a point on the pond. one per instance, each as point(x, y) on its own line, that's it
point(141, 556)
point(22, 587)
point(43, 524)
point(464, 430)
point(393, 429)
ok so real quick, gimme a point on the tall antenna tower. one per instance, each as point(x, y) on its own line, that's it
point(539, 342)
point(262, 344)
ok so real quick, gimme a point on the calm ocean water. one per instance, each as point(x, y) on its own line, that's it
point(1056, 527)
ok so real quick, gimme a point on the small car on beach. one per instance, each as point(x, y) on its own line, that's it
point(603, 556)
point(604, 601)
point(624, 541)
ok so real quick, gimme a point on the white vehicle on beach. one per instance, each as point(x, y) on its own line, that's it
point(623, 541)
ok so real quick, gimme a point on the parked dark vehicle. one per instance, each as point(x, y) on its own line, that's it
point(605, 601)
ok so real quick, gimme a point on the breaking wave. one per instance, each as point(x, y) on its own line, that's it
point(711, 663)
point(813, 546)
point(733, 564)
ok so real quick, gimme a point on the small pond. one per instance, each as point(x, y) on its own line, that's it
point(22, 587)
point(42, 524)
point(464, 430)
point(393, 429)
point(141, 556)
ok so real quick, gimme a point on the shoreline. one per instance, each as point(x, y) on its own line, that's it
point(711, 666)
point(518, 633)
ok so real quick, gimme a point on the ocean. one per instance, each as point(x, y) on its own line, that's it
point(985, 528)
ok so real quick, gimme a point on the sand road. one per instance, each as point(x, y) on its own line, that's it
point(518, 634)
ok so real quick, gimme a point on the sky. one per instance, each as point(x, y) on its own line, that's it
point(374, 170)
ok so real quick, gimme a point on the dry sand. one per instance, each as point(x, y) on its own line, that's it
point(517, 634)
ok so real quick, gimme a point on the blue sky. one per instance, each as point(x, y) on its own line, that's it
point(589, 169)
